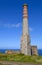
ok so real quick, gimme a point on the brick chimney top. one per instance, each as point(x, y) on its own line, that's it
point(25, 4)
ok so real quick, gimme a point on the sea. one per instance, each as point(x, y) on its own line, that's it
point(3, 51)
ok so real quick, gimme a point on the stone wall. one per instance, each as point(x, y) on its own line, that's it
point(34, 50)
point(12, 51)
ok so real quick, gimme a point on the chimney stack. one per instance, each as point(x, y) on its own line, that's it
point(25, 13)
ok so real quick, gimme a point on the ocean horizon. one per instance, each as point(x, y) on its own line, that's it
point(3, 51)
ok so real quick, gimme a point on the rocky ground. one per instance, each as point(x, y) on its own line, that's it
point(16, 63)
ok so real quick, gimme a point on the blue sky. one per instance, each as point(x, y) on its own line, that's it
point(11, 23)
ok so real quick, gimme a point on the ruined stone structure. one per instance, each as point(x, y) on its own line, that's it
point(34, 50)
point(25, 46)
point(12, 52)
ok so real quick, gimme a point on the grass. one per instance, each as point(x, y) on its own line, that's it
point(20, 58)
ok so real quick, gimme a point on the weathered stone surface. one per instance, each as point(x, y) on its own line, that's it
point(34, 50)
point(12, 51)
point(25, 45)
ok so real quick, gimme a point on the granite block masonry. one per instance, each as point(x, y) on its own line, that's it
point(25, 45)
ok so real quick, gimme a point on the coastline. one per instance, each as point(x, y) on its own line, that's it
point(3, 51)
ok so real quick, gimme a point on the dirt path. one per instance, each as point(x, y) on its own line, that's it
point(17, 63)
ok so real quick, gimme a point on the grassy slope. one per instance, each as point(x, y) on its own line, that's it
point(21, 58)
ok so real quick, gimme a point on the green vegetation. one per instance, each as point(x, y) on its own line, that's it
point(20, 58)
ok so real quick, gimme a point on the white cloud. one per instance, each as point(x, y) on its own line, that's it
point(11, 25)
point(14, 26)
